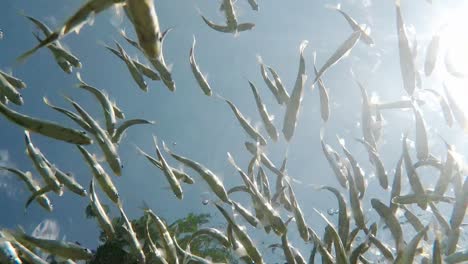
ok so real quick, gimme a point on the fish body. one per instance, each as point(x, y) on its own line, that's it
point(132, 237)
point(60, 248)
point(252, 132)
point(8, 253)
point(213, 181)
point(106, 104)
point(342, 51)
point(103, 139)
point(267, 120)
point(16, 82)
point(100, 174)
point(47, 172)
point(9, 91)
point(102, 217)
point(201, 80)
point(120, 131)
point(166, 238)
point(146, 24)
point(32, 186)
point(168, 172)
point(76, 118)
point(407, 67)
point(46, 128)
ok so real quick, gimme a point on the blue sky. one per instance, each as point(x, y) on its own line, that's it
point(204, 128)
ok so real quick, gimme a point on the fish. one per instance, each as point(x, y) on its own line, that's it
point(180, 175)
point(452, 69)
point(10, 92)
point(457, 257)
point(269, 83)
point(421, 198)
point(213, 233)
point(64, 64)
point(120, 131)
point(445, 107)
point(341, 256)
point(84, 14)
point(67, 179)
point(391, 221)
point(103, 139)
point(146, 24)
point(220, 28)
point(16, 82)
point(365, 32)
point(132, 68)
point(253, 4)
point(431, 54)
point(201, 80)
point(335, 161)
point(243, 237)
point(422, 145)
point(100, 174)
point(358, 172)
point(272, 217)
point(407, 66)
point(294, 103)
point(412, 174)
point(248, 216)
point(282, 92)
point(343, 218)
point(166, 238)
point(252, 148)
point(32, 186)
point(251, 131)
point(8, 253)
point(457, 111)
point(414, 221)
point(27, 254)
point(188, 256)
point(356, 207)
point(144, 69)
point(396, 185)
point(106, 104)
point(408, 253)
point(47, 172)
point(342, 51)
point(445, 226)
point(377, 162)
point(76, 118)
point(46, 128)
point(266, 118)
point(298, 216)
point(157, 254)
point(460, 206)
point(132, 238)
point(60, 248)
point(366, 116)
point(210, 178)
point(323, 94)
point(101, 215)
point(171, 178)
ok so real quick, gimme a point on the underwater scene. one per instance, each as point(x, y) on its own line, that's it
point(233, 131)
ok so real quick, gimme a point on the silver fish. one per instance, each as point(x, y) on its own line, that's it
point(74, 23)
point(343, 50)
point(106, 104)
point(252, 132)
point(407, 67)
point(46, 128)
point(102, 217)
point(201, 80)
point(266, 118)
point(119, 132)
point(10, 92)
point(100, 174)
